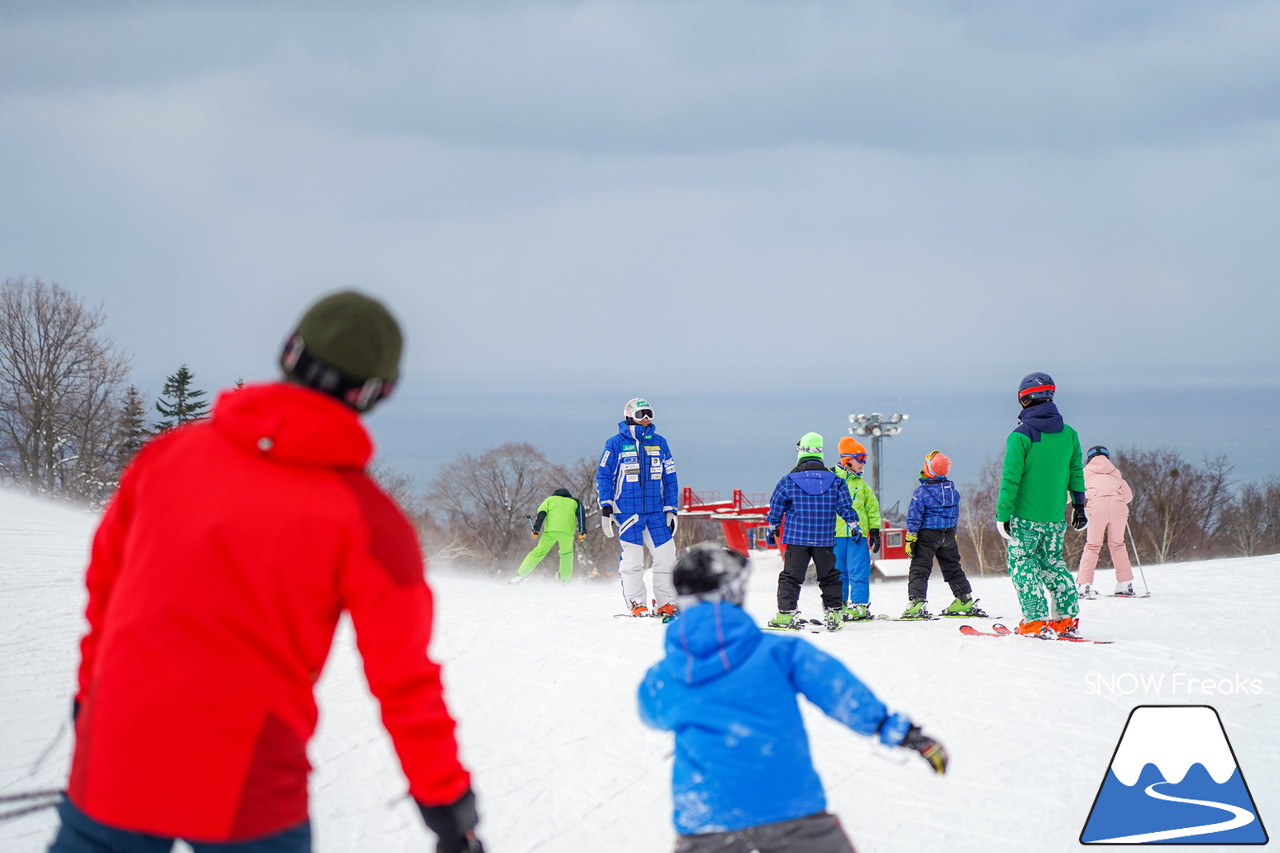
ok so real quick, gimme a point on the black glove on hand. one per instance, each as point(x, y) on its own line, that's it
point(1078, 519)
point(874, 536)
point(606, 510)
point(454, 825)
point(930, 750)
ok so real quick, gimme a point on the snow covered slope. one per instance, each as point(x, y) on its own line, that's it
point(542, 679)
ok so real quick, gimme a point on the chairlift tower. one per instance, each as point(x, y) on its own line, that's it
point(876, 426)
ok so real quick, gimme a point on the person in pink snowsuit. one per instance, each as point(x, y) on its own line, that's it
point(1107, 498)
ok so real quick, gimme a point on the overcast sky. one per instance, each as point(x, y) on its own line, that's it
point(621, 196)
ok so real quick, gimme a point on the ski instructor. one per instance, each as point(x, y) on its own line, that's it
point(216, 580)
point(638, 492)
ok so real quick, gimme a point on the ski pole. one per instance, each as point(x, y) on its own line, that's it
point(51, 798)
point(1134, 544)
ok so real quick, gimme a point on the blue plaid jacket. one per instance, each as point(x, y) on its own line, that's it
point(811, 498)
point(934, 506)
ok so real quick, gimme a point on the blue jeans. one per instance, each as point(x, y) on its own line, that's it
point(80, 833)
point(853, 561)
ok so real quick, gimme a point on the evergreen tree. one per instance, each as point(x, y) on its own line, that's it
point(133, 429)
point(179, 402)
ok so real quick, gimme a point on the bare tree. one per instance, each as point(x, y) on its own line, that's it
point(1252, 521)
point(60, 381)
point(979, 542)
point(1176, 505)
point(484, 499)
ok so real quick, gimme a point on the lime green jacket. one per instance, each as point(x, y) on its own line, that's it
point(1037, 477)
point(563, 515)
point(864, 502)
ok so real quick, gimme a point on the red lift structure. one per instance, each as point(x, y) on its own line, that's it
point(743, 520)
point(741, 517)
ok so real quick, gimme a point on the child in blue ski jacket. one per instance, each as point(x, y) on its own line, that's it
point(743, 778)
point(932, 516)
point(639, 498)
point(809, 499)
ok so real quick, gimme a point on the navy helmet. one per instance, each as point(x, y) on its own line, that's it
point(1034, 388)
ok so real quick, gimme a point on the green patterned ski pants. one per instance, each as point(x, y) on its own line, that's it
point(1037, 567)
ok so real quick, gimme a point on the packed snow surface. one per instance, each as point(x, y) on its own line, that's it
point(542, 680)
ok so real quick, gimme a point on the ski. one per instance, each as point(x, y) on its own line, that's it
point(1113, 595)
point(813, 626)
point(998, 630)
point(967, 616)
point(929, 618)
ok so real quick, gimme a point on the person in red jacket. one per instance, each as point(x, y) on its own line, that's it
point(216, 580)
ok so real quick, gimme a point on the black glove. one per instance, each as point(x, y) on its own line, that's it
point(1078, 519)
point(771, 536)
point(874, 536)
point(454, 825)
point(606, 510)
point(930, 750)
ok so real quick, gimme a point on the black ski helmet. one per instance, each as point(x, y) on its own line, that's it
point(1035, 387)
point(710, 572)
point(1097, 450)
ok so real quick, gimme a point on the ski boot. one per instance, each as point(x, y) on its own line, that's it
point(915, 610)
point(832, 618)
point(638, 608)
point(784, 619)
point(1086, 591)
point(666, 612)
point(855, 612)
point(1124, 589)
point(1035, 628)
point(1069, 627)
point(967, 606)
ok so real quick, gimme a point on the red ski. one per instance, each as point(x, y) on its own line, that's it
point(998, 630)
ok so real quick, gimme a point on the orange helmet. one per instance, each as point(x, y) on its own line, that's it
point(936, 465)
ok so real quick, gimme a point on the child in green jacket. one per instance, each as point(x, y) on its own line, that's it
point(853, 560)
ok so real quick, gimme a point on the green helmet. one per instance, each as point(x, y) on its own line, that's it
point(809, 445)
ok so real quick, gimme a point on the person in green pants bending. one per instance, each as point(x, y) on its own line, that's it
point(559, 517)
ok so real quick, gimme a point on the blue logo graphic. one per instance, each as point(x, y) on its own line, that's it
point(1173, 779)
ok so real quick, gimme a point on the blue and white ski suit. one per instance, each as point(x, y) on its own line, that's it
point(637, 477)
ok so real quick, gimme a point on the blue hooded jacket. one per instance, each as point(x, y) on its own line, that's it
point(728, 691)
point(934, 506)
point(638, 477)
point(811, 498)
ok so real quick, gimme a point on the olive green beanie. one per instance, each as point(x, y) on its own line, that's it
point(352, 333)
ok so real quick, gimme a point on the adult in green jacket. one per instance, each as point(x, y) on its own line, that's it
point(559, 517)
point(1042, 465)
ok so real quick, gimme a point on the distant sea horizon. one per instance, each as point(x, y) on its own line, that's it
point(724, 441)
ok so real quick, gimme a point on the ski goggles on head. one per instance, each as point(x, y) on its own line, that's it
point(642, 414)
point(856, 457)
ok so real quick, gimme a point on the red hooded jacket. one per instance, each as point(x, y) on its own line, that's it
point(216, 580)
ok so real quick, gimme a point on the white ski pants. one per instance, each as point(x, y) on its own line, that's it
point(631, 568)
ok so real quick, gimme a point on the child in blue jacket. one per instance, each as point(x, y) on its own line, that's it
point(931, 532)
point(743, 779)
point(809, 499)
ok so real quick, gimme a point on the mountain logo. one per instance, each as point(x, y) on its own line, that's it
point(1173, 779)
